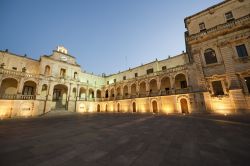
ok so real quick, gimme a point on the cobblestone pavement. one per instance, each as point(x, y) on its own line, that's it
point(124, 139)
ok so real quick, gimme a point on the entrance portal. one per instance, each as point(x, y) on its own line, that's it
point(98, 108)
point(60, 96)
point(184, 106)
point(134, 107)
point(155, 108)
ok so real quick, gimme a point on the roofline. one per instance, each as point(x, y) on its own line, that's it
point(171, 57)
point(64, 53)
point(207, 9)
point(21, 56)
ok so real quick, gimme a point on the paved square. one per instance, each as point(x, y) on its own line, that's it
point(124, 139)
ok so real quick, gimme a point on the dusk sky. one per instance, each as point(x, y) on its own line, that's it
point(104, 35)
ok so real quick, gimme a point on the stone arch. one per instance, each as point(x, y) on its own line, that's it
point(82, 93)
point(165, 85)
point(143, 88)
point(60, 95)
point(153, 86)
point(125, 90)
point(8, 88)
point(98, 93)
point(183, 104)
point(91, 93)
point(133, 89)
point(180, 81)
point(106, 93)
point(118, 91)
point(29, 88)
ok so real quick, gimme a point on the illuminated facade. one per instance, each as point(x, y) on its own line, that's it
point(212, 76)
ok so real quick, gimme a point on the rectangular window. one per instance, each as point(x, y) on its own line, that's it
point(124, 77)
point(229, 16)
point(107, 82)
point(247, 80)
point(202, 26)
point(241, 50)
point(149, 71)
point(164, 67)
point(217, 88)
point(14, 68)
point(114, 80)
point(136, 74)
point(28, 90)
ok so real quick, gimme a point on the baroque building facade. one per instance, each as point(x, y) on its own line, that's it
point(213, 76)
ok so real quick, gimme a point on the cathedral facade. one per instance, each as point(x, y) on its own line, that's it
point(212, 76)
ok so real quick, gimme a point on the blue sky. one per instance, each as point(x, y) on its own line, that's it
point(104, 35)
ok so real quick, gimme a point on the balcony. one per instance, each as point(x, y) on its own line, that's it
point(17, 97)
point(17, 73)
point(183, 90)
point(228, 25)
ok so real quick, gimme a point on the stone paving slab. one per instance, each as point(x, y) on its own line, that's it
point(124, 140)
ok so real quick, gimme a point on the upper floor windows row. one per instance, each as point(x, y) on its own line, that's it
point(211, 58)
point(47, 72)
point(228, 16)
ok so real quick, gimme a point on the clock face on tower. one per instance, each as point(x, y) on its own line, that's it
point(64, 58)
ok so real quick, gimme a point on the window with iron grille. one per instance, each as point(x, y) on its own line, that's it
point(210, 56)
point(149, 71)
point(217, 88)
point(229, 16)
point(241, 50)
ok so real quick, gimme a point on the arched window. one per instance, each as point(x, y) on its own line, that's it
point(210, 56)
point(47, 70)
point(75, 75)
point(107, 93)
point(74, 92)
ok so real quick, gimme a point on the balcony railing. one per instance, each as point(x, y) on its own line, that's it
point(17, 97)
point(183, 90)
point(217, 28)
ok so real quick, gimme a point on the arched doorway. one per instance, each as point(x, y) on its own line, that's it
point(118, 107)
point(133, 90)
point(106, 108)
point(180, 81)
point(155, 107)
point(184, 106)
point(8, 88)
point(142, 89)
point(82, 94)
point(98, 94)
point(134, 107)
point(165, 86)
point(29, 90)
point(60, 94)
point(98, 108)
point(153, 87)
